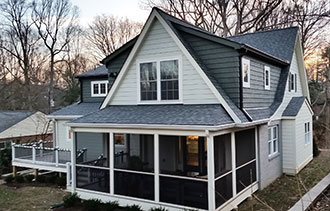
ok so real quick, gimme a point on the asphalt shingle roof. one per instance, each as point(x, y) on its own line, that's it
point(98, 71)
point(278, 43)
point(294, 106)
point(204, 115)
point(10, 118)
point(77, 109)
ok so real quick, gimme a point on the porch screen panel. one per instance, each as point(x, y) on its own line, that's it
point(185, 192)
point(94, 179)
point(245, 159)
point(134, 185)
point(222, 154)
point(92, 149)
point(223, 189)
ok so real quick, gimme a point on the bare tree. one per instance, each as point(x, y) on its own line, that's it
point(107, 33)
point(56, 22)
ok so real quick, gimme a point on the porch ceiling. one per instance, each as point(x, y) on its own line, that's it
point(204, 115)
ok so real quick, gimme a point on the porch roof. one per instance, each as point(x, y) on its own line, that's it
point(294, 106)
point(204, 115)
point(76, 109)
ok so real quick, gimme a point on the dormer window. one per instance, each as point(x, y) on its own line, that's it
point(159, 81)
point(246, 72)
point(267, 77)
point(99, 88)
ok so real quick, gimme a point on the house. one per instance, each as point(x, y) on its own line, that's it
point(184, 119)
point(22, 127)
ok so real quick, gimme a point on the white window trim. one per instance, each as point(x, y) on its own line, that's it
point(273, 153)
point(99, 84)
point(159, 100)
point(267, 69)
point(294, 81)
point(308, 133)
point(246, 61)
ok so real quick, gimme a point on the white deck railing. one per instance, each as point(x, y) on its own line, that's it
point(35, 153)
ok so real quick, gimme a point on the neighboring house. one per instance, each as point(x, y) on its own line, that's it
point(192, 120)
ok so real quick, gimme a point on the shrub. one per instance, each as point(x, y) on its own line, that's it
point(92, 205)
point(40, 178)
point(133, 208)
point(9, 179)
point(29, 177)
point(111, 205)
point(19, 179)
point(50, 179)
point(158, 209)
point(71, 200)
point(60, 181)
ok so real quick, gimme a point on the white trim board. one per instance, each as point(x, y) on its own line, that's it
point(129, 60)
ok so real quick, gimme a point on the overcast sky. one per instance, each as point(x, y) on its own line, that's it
point(121, 8)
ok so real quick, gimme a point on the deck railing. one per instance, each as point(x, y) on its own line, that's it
point(36, 153)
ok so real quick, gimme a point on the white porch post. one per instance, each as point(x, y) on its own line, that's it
point(73, 161)
point(68, 172)
point(112, 157)
point(12, 150)
point(257, 153)
point(34, 153)
point(56, 156)
point(210, 171)
point(156, 154)
point(233, 162)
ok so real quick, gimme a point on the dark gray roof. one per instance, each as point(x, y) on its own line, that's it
point(294, 106)
point(96, 72)
point(77, 109)
point(259, 114)
point(204, 115)
point(278, 43)
point(10, 118)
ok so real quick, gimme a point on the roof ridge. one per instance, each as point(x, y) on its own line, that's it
point(263, 31)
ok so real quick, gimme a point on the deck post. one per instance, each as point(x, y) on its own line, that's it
point(73, 161)
point(14, 171)
point(210, 171)
point(156, 166)
point(36, 173)
point(68, 174)
point(233, 162)
point(56, 156)
point(112, 157)
point(12, 151)
point(34, 153)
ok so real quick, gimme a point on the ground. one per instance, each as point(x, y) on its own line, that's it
point(287, 190)
point(28, 198)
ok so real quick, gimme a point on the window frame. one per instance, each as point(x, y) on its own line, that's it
point(159, 100)
point(267, 69)
point(292, 82)
point(248, 83)
point(307, 133)
point(272, 140)
point(99, 94)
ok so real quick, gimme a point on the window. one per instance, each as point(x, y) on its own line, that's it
point(159, 81)
point(99, 88)
point(273, 141)
point(246, 72)
point(119, 139)
point(307, 133)
point(293, 82)
point(267, 77)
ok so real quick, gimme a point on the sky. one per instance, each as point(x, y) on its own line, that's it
point(121, 8)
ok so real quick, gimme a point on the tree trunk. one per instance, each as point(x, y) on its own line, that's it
point(51, 84)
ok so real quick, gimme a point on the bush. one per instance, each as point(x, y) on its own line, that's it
point(60, 181)
point(111, 205)
point(40, 178)
point(9, 179)
point(71, 200)
point(29, 177)
point(92, 204)
point(158, 209)
point(50, 179)
point(133, 208)
point(19, 179)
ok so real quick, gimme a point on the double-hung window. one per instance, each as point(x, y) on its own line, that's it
point(273, 141)
point(159, 81)
point(246, 72)
point(267, 77)
point(99, 88)
point(307, 133)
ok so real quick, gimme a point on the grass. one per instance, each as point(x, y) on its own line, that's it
point(29, 198)
point(284, 192)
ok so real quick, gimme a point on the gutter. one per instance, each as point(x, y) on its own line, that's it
point(66, 117)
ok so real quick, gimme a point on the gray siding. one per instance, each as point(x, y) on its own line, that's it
point(257, 96)
point(270, 168)
point(116, 64)
point(86, 90)
point(221, 61)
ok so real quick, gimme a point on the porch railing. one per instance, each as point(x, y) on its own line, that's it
point(38, 154)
